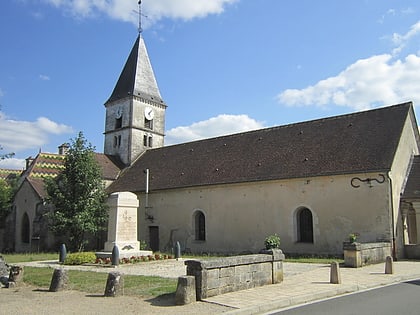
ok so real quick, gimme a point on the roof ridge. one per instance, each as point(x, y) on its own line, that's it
point(311, 121)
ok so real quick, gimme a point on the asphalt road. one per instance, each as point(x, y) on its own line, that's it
point(397, 299)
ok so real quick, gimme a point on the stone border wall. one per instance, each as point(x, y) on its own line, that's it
point(228, 274)
point(360, 254)
point(412, 251)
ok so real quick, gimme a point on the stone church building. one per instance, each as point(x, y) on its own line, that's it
point(313, 183)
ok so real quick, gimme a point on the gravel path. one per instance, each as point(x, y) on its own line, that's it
point(32, 300)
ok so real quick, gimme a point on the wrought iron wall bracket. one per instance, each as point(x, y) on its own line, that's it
point(368, 180)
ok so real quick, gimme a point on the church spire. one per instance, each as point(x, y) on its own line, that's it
point(137, 77)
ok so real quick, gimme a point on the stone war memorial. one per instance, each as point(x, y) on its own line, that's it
point(122, 227)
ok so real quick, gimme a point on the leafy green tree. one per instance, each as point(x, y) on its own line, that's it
point(6, 195)
point(78, 194)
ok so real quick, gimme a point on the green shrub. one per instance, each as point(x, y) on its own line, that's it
point(143, 245)
point(272, 241)
point(80, 258)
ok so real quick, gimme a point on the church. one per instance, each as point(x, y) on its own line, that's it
point(313, 183)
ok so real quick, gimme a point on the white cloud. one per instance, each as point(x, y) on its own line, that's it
point(213, 127)
point(154, 9)
point(373, 81)
point(44, 77)
point(401, 40)
point(377, 80)
point(13, 164)
point(21, 135)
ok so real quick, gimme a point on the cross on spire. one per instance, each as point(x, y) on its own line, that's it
point(140, 28)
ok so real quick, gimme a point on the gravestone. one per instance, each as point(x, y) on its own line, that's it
point(122, 226)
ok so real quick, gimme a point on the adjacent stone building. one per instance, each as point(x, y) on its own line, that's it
point(26, 229)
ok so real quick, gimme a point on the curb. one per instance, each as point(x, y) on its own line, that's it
point(320, 295)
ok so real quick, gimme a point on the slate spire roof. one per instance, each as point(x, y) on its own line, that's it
point(137, 77)
point(354, 143)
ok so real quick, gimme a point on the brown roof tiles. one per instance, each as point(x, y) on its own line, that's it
point(354, 143)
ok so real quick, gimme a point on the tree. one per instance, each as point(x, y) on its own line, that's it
point(78, 194)
point(6, 195)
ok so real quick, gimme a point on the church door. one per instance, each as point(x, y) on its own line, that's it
point(154, 238)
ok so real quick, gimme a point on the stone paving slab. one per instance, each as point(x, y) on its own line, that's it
point(312, 285)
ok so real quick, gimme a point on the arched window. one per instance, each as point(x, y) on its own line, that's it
point(200, 226)
point(305, 226)
point(25, 229)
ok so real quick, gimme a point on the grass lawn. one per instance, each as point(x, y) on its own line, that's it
point(26, 257)
point(94, 282)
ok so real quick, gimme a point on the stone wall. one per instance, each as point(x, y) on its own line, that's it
point(228, 274)
point(412, 251)
point(361, 254)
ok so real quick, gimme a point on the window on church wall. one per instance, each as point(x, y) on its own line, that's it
point(305, 226)
point(117, 141)
point(25, 229)
point(200, 226)
point(148, 124)
point(148, 141)
point(118, 123)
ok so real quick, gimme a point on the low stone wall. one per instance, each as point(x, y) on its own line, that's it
point(412, 251)
point(360, 254)
point(228, 274)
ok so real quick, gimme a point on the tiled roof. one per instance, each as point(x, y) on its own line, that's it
point(412, 188)
point(50, 165)
point(360, 142)
point(46, 165)
point(8, 173)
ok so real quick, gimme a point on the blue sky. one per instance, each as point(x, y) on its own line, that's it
point(222, 66)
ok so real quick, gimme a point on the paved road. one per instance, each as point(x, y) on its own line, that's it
point(402, 298)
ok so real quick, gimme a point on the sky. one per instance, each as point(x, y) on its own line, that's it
point(222, 66)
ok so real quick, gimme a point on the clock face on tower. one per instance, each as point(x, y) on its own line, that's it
point(118, 113)
point(149, 114)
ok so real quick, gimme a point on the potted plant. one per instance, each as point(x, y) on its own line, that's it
point(352, 237)
point(272, 242)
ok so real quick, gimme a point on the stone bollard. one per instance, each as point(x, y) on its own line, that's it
point(335, 276)
point(62, 254)
point(185, 290)
point(115, 257)
point(59, 280)
point(114, 285)
point(389, 265)
point(177, 250)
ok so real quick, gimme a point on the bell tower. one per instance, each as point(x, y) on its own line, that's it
point(135, 111)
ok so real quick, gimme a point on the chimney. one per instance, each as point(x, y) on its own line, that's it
point(29, 161)
point(63, 149)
